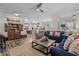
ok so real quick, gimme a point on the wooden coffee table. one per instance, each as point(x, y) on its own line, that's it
point(45, 44)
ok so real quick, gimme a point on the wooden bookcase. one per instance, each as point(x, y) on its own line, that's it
point(14, 31)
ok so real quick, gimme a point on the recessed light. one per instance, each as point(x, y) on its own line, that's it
point(37, 9)
point(15, 14)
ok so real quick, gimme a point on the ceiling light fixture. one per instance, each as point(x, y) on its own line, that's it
point(15, 14)
point(37, 9)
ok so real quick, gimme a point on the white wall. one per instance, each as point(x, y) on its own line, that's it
point(53, 21)
point(69, 21)
point(2, 25)
point(24, 31)
point(45, 21)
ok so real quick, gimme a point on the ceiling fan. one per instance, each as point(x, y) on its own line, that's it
point(38, 7)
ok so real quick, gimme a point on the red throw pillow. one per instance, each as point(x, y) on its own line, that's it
point(76, 37)
point(53, 33)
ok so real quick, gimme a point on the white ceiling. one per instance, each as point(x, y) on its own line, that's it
point(26, 10)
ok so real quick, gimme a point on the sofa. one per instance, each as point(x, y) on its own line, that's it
point(59, 51)
point(57, 38)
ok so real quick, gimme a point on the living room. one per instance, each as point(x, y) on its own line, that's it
point(39, 29)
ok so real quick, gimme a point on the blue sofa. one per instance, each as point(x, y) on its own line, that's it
point(57, 38)
point(59, 51)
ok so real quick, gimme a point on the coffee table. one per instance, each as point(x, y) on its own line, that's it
point(44, 44)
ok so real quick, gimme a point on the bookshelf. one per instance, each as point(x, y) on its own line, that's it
point(13, 29)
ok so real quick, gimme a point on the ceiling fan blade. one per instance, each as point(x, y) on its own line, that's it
point(39, 5)
point(42, 11)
